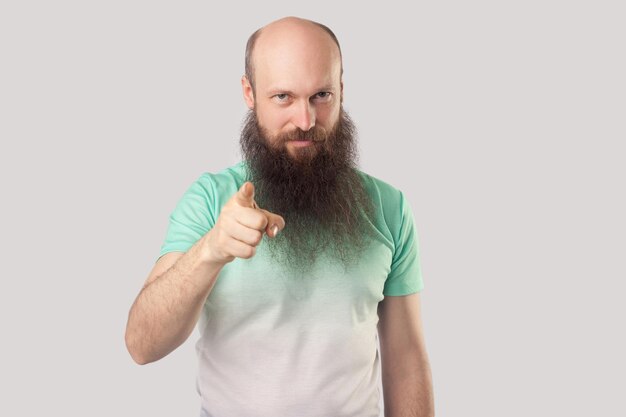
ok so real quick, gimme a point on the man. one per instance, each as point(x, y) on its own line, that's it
point(293, 262)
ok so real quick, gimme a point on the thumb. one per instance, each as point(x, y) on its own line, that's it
point(245, 195)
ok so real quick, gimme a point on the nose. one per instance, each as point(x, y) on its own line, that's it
point(304, 116)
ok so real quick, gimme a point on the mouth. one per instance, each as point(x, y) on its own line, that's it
point(301, 143)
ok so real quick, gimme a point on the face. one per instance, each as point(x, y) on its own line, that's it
point(298, 89)
point(300, 147)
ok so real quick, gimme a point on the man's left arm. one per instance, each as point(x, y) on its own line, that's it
point(406, 375)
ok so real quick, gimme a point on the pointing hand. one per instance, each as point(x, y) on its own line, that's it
point(240, 227)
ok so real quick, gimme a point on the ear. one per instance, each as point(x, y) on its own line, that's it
point(248, 94)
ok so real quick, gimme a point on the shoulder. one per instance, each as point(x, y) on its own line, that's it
point(233, 174)
point(221, 183)
point(211, 190)
point(394, 216)
point(385, 195)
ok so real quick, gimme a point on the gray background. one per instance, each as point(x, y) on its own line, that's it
point(502, 122)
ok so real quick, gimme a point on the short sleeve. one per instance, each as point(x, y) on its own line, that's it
point(191, 219)
point(405, 276)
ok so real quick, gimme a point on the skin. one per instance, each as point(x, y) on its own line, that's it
point(168, 307)
point(297, 79)
point(406, 374)
point(298, 84)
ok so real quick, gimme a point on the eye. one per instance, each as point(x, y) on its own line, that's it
point(281, 98)
point(322, 96)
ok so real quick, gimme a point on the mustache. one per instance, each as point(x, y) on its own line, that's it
point(315, 134)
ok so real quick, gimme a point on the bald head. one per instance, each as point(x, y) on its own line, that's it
point(290, 38)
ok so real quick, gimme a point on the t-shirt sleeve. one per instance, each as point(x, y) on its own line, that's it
point(191, 219)
point(405, 276)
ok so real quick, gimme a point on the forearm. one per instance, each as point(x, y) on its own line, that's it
point(167, 309)
point(408, 389)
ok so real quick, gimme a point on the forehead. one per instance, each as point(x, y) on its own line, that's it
point(296, 59)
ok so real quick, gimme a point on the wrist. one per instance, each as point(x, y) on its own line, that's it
point(208, 255)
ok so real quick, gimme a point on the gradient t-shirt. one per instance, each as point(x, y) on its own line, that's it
point(278, 345)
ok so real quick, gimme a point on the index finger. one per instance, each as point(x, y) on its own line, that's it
point(275, 223)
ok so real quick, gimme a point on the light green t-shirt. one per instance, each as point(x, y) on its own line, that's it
point(277, 345)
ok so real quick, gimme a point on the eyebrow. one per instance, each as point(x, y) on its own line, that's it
point(284, 91)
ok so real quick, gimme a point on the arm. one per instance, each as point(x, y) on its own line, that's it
point(169, 304)
point(406, 375)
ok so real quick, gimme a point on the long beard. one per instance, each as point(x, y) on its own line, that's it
point(317, 191)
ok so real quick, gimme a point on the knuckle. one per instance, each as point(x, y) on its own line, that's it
point(260, 222)
point(227, 256)
point(256, 237)
point(249, 252)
